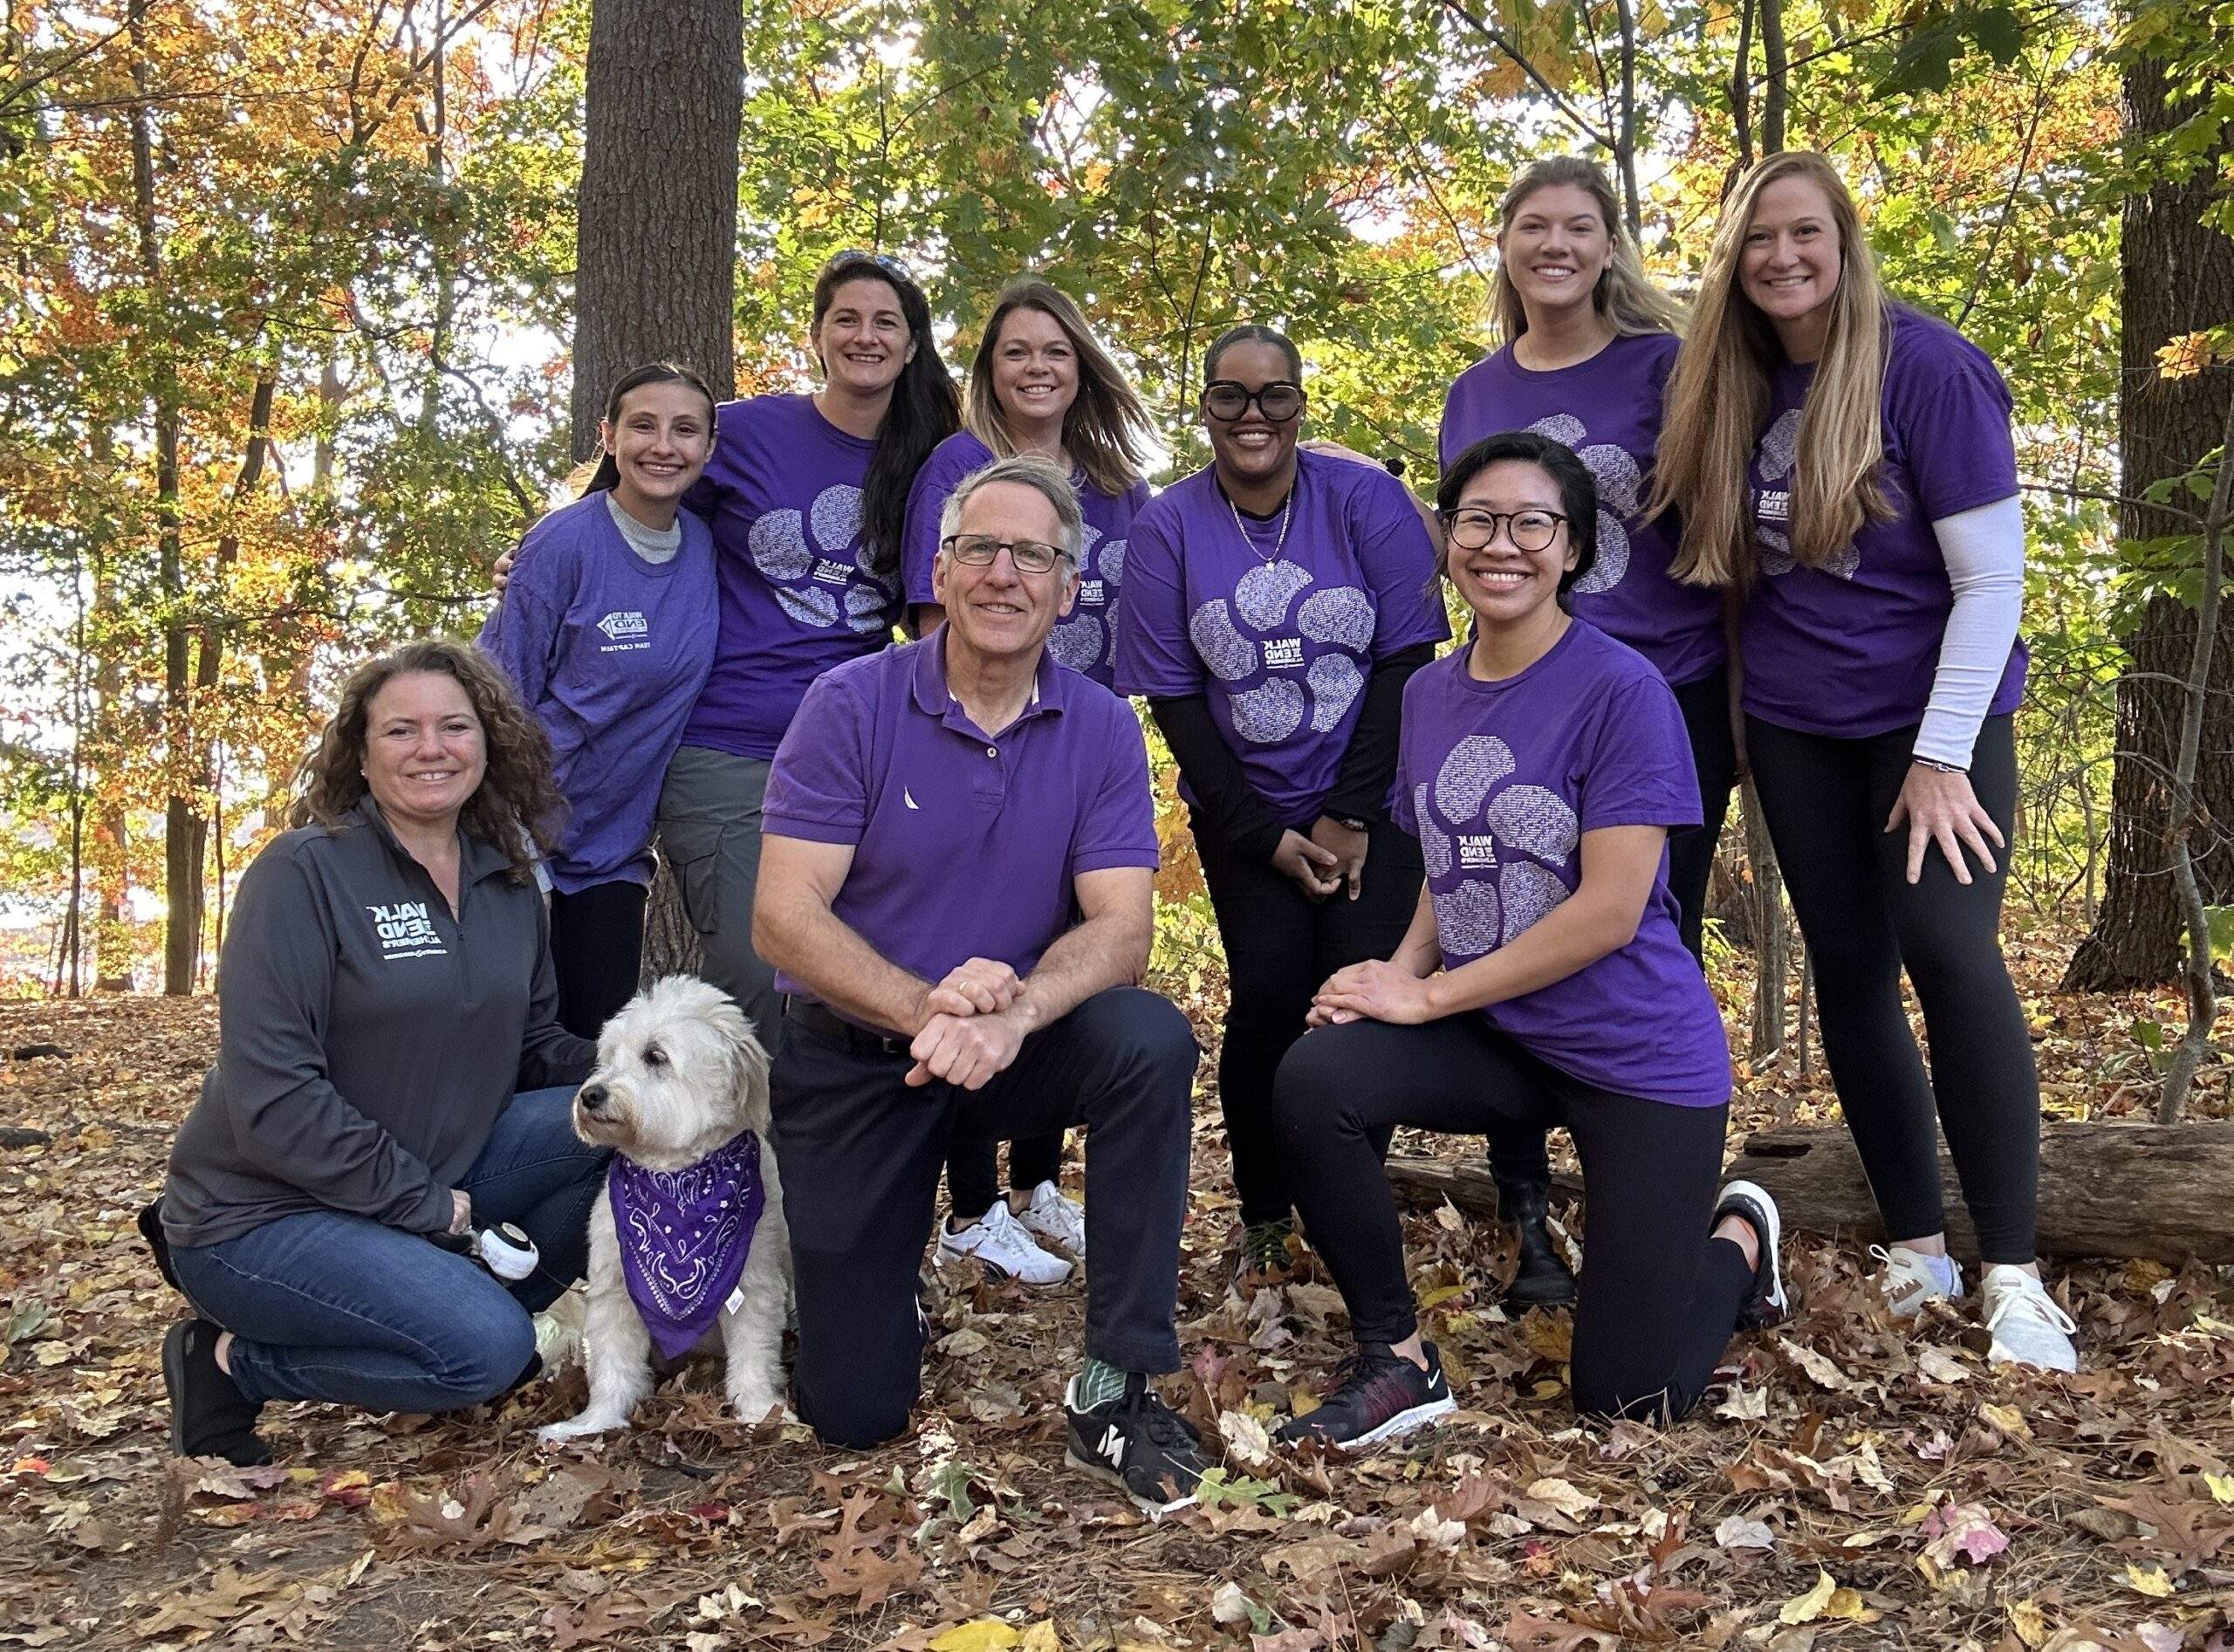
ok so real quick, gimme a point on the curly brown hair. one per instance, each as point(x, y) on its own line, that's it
point(516, 807)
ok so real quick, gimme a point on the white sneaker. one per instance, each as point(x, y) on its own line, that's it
point(2029, 1326)
point(1053, 1216)
point(1911, 1278)
point(998, 1240)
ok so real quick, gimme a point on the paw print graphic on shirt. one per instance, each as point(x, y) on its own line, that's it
point(1779, 456)
point(1080, 639)
point(1620, 485)
point(815, 563)
point(1331, 637)
point(1506, 840)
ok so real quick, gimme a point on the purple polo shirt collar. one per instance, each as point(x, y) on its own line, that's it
point(935, 699)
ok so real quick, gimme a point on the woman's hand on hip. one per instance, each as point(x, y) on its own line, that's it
point(1940, 807)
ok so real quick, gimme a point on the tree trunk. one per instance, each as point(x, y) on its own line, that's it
point(2177, 277)
point(656, 253)
point(2105, 1189)
point(655, 265)
point(184, 827)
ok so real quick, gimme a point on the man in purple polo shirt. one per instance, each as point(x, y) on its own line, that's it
point(958, 851)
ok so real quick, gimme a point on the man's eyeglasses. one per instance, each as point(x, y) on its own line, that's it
point(1226, 400)
point(1472, 530)
point(861, 255)
point(980, 551)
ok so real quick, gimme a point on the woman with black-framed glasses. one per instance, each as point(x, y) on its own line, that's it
point(1542, 981)
point(1040, 382)
point(1275, 603)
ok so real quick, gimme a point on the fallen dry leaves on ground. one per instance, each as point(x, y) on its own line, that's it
point(1852, 1486)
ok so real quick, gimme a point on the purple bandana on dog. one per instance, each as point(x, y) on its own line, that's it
point(684, 1238)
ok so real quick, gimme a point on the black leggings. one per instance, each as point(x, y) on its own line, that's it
point(596, 951)
point(1826, 802)
point(1280, 947)
point(1705, 705)
point(1658, 1299)
point(973, 1171)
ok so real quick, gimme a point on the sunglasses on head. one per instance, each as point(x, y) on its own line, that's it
point(861, 255)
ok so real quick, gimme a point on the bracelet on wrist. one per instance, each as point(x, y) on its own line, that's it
point(1934, 764)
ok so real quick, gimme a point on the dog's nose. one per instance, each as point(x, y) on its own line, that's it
point(591, 1099)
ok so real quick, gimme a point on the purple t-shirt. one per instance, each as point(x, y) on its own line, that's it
point(782, 494)
point(1607, 410)
point(965, 844)
point(1279, 633)
point(1499, 781)
point(1849, 649)
point(1086, 638)
point(610, 652)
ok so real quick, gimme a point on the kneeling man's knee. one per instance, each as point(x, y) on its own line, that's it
point(491, 1355)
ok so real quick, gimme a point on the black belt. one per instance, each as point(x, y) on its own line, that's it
point(824, 1022)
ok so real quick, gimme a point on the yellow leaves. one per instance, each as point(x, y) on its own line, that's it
point(2149, 1581)
point(1041, 1637)
point(1827, 1600)
point(984, 1635)
point(2186, 356)
point(2029, 1623)
point(2007, 1420)
point(2222, 1486)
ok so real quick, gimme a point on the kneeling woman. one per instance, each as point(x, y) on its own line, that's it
point(1542, 768)
point(391, 1073)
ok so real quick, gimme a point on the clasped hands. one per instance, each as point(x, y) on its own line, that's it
point(1374, 990)
point(974, 1023)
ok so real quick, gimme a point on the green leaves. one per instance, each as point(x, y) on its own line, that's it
point(1941, 34)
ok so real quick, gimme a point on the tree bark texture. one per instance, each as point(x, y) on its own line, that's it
point(2105, 1189)
point(655, 273)
point(2177, 275)
point(655, 264)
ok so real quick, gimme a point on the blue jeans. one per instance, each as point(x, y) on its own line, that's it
point(327, 1305)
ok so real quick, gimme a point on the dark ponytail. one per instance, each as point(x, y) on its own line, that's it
point(605, 473)
point(924, 410)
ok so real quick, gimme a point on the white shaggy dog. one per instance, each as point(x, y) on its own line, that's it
point(679, 1076)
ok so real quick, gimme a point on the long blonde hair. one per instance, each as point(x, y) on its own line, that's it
point(1718, 395)
point(1107, 431)
point(1624, 294)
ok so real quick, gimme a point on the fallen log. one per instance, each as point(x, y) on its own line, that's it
point(2165, 1191)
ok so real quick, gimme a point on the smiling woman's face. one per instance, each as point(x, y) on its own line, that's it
point(424, 751)
point(1251, 448)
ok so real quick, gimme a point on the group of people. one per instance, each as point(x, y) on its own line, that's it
point(1776, 530)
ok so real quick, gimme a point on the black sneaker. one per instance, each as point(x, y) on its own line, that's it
point(211, 1417)
point(1137, 1442)
point(1766, 1303)
point(1263, 1249)
point(1378, 1395)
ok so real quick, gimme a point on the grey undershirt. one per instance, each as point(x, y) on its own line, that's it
point(653, 544)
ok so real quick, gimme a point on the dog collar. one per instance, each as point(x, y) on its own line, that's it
point(684, 1238)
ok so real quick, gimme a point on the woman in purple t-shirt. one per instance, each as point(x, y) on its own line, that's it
point(1041, 382)
point(607, 632)
point(1275, 603)
point(1847, 463)
point(808, 496)
point(1588, 341)
point(1542, 981)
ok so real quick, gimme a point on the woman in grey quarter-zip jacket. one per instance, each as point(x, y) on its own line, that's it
point(390, 1072)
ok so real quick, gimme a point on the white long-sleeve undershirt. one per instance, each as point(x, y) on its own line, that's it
point(1984, 549)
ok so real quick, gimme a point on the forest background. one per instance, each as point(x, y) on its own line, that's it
point(295, 290)
point(302, 303)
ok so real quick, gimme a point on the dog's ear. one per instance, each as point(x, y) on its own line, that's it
point(747, 1064)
